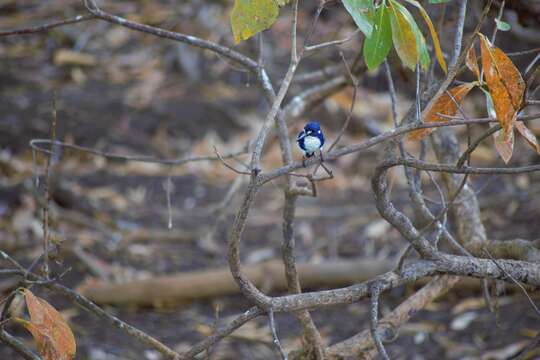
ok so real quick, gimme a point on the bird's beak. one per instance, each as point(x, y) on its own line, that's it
point(309, 132)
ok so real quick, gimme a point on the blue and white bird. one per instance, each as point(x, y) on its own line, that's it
point(311, 139)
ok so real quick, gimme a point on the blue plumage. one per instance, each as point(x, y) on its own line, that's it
point(311, 139)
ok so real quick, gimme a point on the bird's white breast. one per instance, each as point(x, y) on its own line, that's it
point(312, 144)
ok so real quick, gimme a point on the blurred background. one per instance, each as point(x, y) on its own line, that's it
point(129, 93)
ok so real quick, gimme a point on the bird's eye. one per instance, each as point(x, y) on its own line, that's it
point(318, 131)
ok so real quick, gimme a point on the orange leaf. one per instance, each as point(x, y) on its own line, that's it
point(528, 135)
point(54, 338)
point(505, 85)
point(446, 105)
point(504, 146)
point(472, 62)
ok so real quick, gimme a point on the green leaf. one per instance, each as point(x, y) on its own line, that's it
point(438, 1)
point(407, 37)
point(489, 104)
point(250, 17)
point(282, 2)
point(359, 10)
point(502, 25)
point(378, 45)
point(421, 44)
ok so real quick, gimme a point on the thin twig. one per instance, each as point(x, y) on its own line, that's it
point(240, 172)
point(47, 27)
point(374, 322)
point(523, 52)
point(48, 192)
point(487, 253)
point(355, 84)
point(34, 144)
point(499, 18)
point(459, 33)
point(222, 332)
point(333, 42)
point(18, 346)
point(224, 51)
point(275, 337)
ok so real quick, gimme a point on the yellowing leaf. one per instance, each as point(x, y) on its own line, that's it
point(472, 62)
point(505, 85)
point(403, 35)
point(446, 105)
point(53, 337)
point(250, 17)
point(433, 32)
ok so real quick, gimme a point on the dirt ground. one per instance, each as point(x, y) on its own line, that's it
point(136, 95)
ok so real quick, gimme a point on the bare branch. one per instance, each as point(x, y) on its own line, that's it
point(374, 316)
point(229, 166)
point(277, 343)
point(363, 342)
point(515, 282)
point(18, 346)
point(96, 310)
point(34, 144)
point(224, 51)
point(459, 33)
point(333, 42)
point(222, 332)
point(47, 27)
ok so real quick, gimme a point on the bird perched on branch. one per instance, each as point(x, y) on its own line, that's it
point(311, 139)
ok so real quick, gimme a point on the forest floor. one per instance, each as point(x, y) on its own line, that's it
point(135, 95)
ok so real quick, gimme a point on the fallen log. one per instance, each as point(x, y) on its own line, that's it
point(269, 276)
point(182, 287)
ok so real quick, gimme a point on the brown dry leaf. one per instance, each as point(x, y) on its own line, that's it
point(468, 304)
point(528, 332)
point(54, 338)
point(446, 105)
point(142, 94)
point(368, 104)
point(422, 326)
point(477, 303)
point(253, 332)
point(528, 135)
point(70, 57)
point(506, 352)
point(505, 85)
point(472, 62)
point(505, 147)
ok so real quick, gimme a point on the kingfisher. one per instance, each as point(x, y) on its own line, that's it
point(311, 139)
